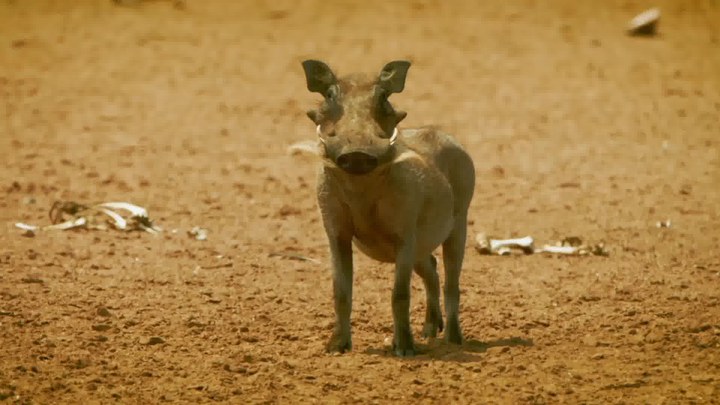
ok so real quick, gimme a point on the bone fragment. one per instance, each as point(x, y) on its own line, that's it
point(664, 224)
point(198, 233)
point(563, 250)
point(645, 23)
point(86, 217)
point(488, 246)
point(135, 210)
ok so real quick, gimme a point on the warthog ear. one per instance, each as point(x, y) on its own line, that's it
point(319, 76)
point(392, 77)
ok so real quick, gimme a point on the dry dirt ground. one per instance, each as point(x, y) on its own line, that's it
point(575, 128)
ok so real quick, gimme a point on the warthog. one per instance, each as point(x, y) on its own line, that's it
point(397, 194)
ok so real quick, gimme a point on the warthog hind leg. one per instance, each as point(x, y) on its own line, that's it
point(427, 270)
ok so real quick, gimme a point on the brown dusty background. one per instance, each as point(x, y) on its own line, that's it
point(575, 128)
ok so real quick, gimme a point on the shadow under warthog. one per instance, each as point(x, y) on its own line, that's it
point(467, 352)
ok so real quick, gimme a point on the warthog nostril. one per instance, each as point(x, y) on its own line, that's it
point(357, 162)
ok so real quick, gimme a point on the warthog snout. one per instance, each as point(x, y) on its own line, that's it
point(357, 162)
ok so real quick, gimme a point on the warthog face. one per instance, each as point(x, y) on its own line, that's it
point(356, 122)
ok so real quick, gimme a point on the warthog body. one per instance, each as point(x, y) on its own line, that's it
point(397, 195)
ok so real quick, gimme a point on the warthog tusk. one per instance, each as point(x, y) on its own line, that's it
point(319, 133)
point(394, 136)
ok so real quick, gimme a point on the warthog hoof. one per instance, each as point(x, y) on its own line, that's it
point(403, 345)
point(433, 324)
point(338, 343)
point(453, 333)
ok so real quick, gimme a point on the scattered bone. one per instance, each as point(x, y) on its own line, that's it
point(135, 210)
point(66, 215)
point(198, 233)
point(294, 256)
point(488, 246)
point(574, 246)
point(563, 250)
point(645, 23)
point(31, 230)
point(571, 245)
point(663, 224)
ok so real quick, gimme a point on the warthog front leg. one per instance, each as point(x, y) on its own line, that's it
point(403, 340)
point(453, 254)
point(427, 270)
point(342, 269)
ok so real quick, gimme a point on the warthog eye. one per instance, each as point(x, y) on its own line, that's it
point(331, 93)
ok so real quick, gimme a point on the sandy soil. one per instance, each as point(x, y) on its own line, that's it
point(575, 128)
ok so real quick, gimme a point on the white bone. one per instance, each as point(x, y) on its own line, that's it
point(502, 247)
point(645, 20)
point(563, 250)
point(73, 223)
point(119, 222)
point(26, 227)
point(394, 136)
point(135, 210)
point(526, 242)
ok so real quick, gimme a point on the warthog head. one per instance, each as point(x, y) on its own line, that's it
point(356, 122)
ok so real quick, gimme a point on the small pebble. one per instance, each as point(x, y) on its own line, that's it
point(155, 340)
point(102, 311)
